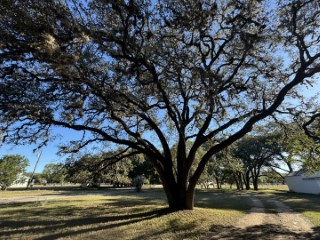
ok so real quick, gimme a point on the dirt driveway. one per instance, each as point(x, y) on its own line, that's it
point(280, 222)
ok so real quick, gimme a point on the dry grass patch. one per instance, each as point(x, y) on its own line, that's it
point(117, 215)
point(125, 214)
point(25, 193)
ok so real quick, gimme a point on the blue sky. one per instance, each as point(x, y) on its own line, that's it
point(49, 152)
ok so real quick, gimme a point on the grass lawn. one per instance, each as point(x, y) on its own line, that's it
point(117, 214)
point(125, 214)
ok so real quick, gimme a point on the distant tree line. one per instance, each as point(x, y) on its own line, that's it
point(91, 170)
point(264, 156)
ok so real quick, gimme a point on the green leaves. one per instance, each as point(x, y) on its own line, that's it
point(54, 173)
point(148, 75)
point(11, 166)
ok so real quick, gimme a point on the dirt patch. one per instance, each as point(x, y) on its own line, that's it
point(284, 216)
point(256, 216)
point(293, 221)
point(276, 222)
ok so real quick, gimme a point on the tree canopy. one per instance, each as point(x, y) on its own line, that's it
point(149, 74)
point(11, 166)
point(256, 152)
point(54, 173)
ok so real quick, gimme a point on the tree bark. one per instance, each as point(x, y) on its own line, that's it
point(218, 183)
point(246, 179)
point(238, 180)
point(255, 183)
point(179, 192)
point(180, 199)
point(255, 177)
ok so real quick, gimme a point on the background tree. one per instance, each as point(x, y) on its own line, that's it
point(207, 177)
point(145, 75)
point(11, 166)
point(54, 173)
point(86, 170)
point(232, 166)
point(256, 152)
point(37, 178)
point(271, 177)
point(142, 166)
point(301, 149)
point(228, 168)
point(119, 173)
point(297, 149)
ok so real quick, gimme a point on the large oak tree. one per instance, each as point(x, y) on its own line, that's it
point(146, 75)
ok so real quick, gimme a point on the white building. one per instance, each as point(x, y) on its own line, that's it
point(302, 182)
point(22, 181)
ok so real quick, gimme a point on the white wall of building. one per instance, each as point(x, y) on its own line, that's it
point(304, 184)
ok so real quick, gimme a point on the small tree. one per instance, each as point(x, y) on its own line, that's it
point(206, 177)
point(119, 172)
point(138, 183)
point(10, 168)
point(54, 173)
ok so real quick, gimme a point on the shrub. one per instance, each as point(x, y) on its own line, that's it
point(138, 183)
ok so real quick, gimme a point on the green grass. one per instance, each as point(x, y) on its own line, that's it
point(125, 214)
point(269, 206)
point(23, 193)
point(121, 215)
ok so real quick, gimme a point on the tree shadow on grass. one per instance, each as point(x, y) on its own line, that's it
point(261, 232)
point(223, 199)
point(51, 229)
point(179, 231)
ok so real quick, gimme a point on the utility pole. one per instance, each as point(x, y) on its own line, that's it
point(35, 166)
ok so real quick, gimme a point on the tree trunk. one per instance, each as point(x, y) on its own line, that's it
point(180, 199)
point(240, 180)
point(237, 179)
point(180, 196)
point(255, 178)
point(255, 183)
point(246, 179)
point(218, 183)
